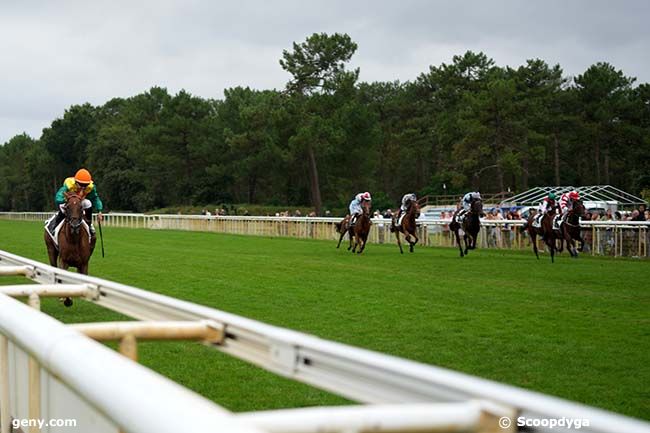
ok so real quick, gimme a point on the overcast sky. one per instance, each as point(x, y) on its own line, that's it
point(58, 53)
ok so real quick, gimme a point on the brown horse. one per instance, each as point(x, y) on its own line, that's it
point(342, 228)
point(545, 231)
point(570, 229)
point(75, 245)
point(471, 226)
point(360, 230)
point(407, 226)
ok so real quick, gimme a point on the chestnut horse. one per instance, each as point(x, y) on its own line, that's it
point(75, 246)
point(360, 230)
point(342, 228)
point(471, 226)
point(545, 231)
point(570, 229)
point(408, 226)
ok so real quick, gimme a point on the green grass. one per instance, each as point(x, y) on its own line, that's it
point(578, 329)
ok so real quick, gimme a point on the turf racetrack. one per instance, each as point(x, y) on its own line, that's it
point(577, 329)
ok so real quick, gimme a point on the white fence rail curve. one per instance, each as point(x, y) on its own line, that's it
point(608, 238)
point(111, 385)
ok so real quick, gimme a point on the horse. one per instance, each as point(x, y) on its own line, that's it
point(342, 228)
point(471, 226)
point(407, 226)
point(545, 231)
point(359, 231)
point(570, 229)
point(75, 245)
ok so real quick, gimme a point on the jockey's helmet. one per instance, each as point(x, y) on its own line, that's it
point(83, 176)
point(551, 196)
point(573, 195)
point(366, 196)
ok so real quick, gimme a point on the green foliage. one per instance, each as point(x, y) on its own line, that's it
point(469, 124)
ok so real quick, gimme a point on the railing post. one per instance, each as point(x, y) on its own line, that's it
point(5, 407)
point(34, 376)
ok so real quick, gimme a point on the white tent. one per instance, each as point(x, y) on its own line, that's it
point(593, 193)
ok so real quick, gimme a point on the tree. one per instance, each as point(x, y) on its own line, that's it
point(604, 93)
point(318, 69)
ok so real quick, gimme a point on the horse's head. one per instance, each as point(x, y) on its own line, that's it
point(415, 206)
point(366, 206)
point(578, 208)
point(73, 211)
point(477, 207)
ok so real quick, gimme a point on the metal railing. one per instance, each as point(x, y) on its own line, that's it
point(608, 238)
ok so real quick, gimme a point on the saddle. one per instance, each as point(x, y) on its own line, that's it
point(537, 221)
point(53, 231)
point(557, 222)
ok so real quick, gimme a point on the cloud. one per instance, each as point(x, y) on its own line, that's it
point(56, 54)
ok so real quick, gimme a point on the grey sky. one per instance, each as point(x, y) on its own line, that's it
point(55, 54)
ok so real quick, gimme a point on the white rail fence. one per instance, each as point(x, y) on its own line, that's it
point(610, 238)
point(52, 371)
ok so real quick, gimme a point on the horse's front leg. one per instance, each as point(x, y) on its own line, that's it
point(399, 242)
point(467, 243)
point(582, 243)
point(460, 248)
point(412, 244)
point(364, 239)
point(340, 239)
point(533, 239)
point(351, 236)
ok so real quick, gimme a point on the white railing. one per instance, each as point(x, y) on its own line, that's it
point(85, 380)
point(610, 238)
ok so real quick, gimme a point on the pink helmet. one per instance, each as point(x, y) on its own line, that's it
point(573, 195)
point(366, 196)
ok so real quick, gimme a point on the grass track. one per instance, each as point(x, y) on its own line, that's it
point(578, 329)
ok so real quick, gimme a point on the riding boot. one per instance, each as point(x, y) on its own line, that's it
point(88, 216)
point(54, 222)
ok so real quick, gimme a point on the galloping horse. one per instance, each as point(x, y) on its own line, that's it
point(471, 226)
point(342, 228)
point(407, 226)
point(570, 229)
point(545, 231)
point(75, 246)
point(360, 231)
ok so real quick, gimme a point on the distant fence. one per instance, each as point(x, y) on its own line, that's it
point(608, 238)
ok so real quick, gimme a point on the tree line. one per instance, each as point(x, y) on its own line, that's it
point(469, 124)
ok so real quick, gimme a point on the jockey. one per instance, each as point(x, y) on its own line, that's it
point(81, 183)
point(406, 202)
point(567, 200)
point(467, 201)
point(356, 204)
point(547, 204)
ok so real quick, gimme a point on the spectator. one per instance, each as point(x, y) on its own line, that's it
point(388, 214)
point(328, 213)
point(312, 214)
point(640, 214)
point(297, 213)
point(608, 215)
point(618, 216)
